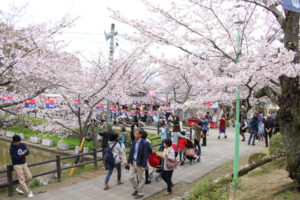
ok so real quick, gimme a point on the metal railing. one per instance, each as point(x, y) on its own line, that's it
point(9, 168)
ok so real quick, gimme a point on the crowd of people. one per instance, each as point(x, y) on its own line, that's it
point(174, 142)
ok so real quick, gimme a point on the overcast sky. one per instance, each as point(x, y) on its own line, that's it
point(87, 35)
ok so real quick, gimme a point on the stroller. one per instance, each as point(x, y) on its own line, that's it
point(191, 152)
point(155, 161)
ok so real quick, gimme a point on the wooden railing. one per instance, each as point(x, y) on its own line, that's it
point(9, 168)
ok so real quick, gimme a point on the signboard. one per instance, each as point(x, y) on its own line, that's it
point(30, 103)
point(170, 110)
point(133, 113)
point(150, 113)
point(112, 109)
point(50, 104)
point(142, 113)
point(123, 112)
point(293, 5)
point(8, 99)
point(78, 103)
point(100, 107)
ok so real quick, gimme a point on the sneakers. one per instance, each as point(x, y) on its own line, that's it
point(138, 196)
point(147, 182)
point(30, 195)
point(134, 193)
point(225, 136)
point(218, 137)
point(19, 191)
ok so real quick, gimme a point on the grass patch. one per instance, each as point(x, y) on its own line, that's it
point(71, 141)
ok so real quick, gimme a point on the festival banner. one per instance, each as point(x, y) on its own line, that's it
point(30, 103)
point(8, 99)
point(78, 103)
point(100, 107)
point(50, 104)
point(133, 113)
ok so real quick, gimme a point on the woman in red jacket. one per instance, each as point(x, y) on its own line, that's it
point(222, 127)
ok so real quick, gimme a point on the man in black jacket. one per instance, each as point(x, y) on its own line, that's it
point(138, 162)
point(269, 124)
point(18, 151)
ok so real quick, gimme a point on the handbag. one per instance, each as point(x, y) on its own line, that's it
point(172, 164)
point(190, 152)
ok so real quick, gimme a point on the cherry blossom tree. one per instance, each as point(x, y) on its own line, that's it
point(29, 57)
point(83, 91)
point(214, 61)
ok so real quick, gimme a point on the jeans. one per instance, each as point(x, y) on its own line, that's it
point(167, 177)
point(181, 155)
point(197, 146)
point(110, 171)
point(162, 147)
point(252, 135)
point(204, 139)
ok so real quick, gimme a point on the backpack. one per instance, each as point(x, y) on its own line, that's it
point(109, 157)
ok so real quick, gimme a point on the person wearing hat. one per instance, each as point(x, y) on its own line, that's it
point(18, 152)
point(106, 136)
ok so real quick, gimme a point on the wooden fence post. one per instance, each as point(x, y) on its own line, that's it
point(10, 180)
point(95, 158)
point(58, 168)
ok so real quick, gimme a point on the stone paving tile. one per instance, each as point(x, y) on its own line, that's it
point(216, 153)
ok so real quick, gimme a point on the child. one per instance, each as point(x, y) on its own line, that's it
point(123, 142)
point(222, 126)
point(163, 136)
point(182, 142)
point(261, 130)
point(243, 128)
point(18, 151)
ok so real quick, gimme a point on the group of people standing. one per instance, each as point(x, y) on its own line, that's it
point(260, 127)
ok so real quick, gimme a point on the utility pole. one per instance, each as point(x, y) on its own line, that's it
point(110, 36)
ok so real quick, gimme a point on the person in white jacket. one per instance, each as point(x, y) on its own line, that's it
point(168, 154)
point(117, 154)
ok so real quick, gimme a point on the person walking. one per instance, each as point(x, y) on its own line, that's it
point(18, 152)
point(132, 130)
point(197, 137)
point(175, 135)
point(115, 150)
point(253, 129)
point(138, 162)
point(205, 123)
point(269, 124)
point(182, 142)
point(144, 136)
point(105, 138)
point(163, 136)
point(169, 155)
point(222, 126)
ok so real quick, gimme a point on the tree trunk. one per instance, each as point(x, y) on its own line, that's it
point(289, 100)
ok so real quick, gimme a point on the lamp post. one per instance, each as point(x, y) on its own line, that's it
point(237, 121)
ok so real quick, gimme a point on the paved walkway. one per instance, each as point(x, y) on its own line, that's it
point(216, 153)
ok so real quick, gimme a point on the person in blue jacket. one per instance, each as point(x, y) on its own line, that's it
point(205, 123)
point(253, 130)
point(18, 152)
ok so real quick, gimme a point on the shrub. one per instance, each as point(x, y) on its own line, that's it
point(276, 145)
point(207, 189)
